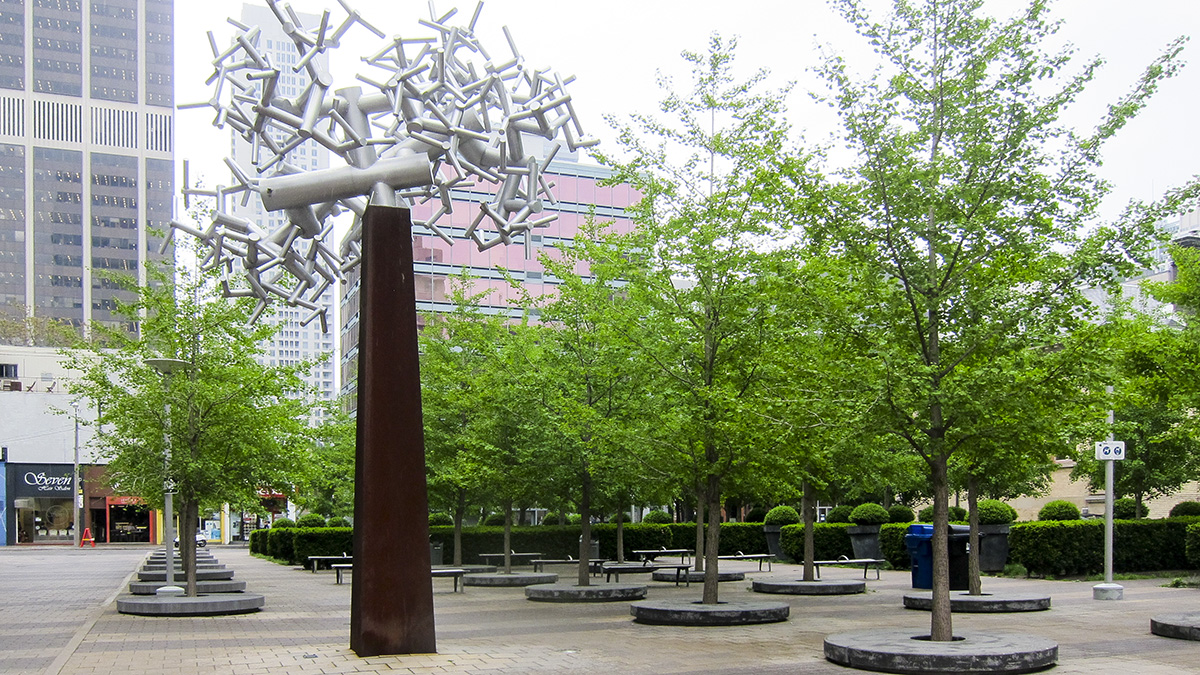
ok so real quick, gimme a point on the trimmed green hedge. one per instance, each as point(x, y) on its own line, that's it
point(308, 541)
point(830, 541)
point(1192, 545)
point(1072, 547)
point(279, 543)
point(258, 541)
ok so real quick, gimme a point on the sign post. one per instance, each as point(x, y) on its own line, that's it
point(1109, 451)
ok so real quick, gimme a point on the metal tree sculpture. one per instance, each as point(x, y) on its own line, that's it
point(431, 121)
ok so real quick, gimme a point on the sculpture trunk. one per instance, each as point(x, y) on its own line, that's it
point(391, 601)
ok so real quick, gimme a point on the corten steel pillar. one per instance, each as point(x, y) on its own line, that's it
point(391, 601)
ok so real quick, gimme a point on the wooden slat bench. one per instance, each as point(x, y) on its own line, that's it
point(760, 557)
point(843, 560)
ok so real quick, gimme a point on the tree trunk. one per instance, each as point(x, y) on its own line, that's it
point(585, 529)
point(189, 512)
point(808, 507)
point(974, 587)
point(460, 511)
point(941, 628)
point(712, 541)
point(521, 516)
point(699, 557)
point(508, 536)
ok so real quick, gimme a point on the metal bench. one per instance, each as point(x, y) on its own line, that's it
point(617, 569)
point(843, 560)
point(595, 565)
point(455, 573)
point(760, 557)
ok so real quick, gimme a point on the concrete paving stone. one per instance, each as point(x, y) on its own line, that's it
point(67, 593)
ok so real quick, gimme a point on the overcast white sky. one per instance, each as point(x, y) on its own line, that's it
point(616, 47)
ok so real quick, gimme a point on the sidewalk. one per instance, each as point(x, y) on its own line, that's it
point(56, 616)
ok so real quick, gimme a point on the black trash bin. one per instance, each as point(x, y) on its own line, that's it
point(919, 541)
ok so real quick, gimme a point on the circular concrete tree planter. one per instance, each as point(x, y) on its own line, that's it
point(694, 577)
point(202, 587)
point(907, 651)
point(514, 580)
point(987, 603)
point(574, 593)
point(810, 587)
point(993, 547)
point(1182, 626)
point(689, 613)
point(201, 575)
point(865, 541)
point(201, 605)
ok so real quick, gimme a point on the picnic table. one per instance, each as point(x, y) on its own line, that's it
point(329, 559)
point(614, 569)
point(650, 554)
point(516, 557)
point(760, 557)
point(843, 560)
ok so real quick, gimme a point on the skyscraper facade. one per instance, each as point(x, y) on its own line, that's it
point(578, 192)
point(295, 341)
point(86, 150)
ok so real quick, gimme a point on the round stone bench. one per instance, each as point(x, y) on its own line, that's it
point(694, 577)
point(564, 592)
point(201, 605)
point(202, 587)
point(514, 580)
point(810, 587)
point(201, 575)
point(1182, 626)
point(988, 603)
point(898, 650)
point(691, 613)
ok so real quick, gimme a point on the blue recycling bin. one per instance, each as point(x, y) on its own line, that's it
point(919, 540)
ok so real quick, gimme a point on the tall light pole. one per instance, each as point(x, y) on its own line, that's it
point(1109, 452)
point(166, 367)
point(75, 495)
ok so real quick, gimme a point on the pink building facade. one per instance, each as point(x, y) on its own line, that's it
point(578, 193)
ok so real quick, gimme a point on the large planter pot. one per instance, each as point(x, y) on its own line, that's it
point(865, 540)
point(993, 547)
point(772, 533)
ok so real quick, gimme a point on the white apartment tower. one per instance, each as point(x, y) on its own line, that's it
point(294, 342)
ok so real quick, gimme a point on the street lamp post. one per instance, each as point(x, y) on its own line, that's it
point(166, 367)
point(75, 496)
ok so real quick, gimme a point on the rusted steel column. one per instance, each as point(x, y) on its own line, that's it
point(391, 602)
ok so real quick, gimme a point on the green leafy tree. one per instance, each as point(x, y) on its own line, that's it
point(235, 426)
point(968, 200)
point(327, 484)
point(712, 182)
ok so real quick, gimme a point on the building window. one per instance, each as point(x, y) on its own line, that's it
point(8, 371)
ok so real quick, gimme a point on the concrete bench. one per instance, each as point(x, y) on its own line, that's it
point(341, 568)
point(843, 560)
point(760, 557)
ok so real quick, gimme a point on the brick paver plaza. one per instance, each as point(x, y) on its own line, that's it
point(57, 615)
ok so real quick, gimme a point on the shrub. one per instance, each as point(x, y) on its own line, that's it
point(282, 522)
point(830, 540)
point(1185, 509)
point(440, 518)
point(624, 518)
point(321, 541)
point(494, 520)
point(869, 514)
point(279, 543)
point(839, 514)
point(892, 546)
point(744, 537)
point(1192, 543)
point(756, 515)
point(551, 518)
point(1059, 509)
point(657, 517)
point(338, 521)
point(310, 520)
point(258, 541)
point(781, 515)
point(899, 513)
point(1126, 508)
point(995, 512)
point(574, 519)
point(1071, 547)
point(957, 514)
